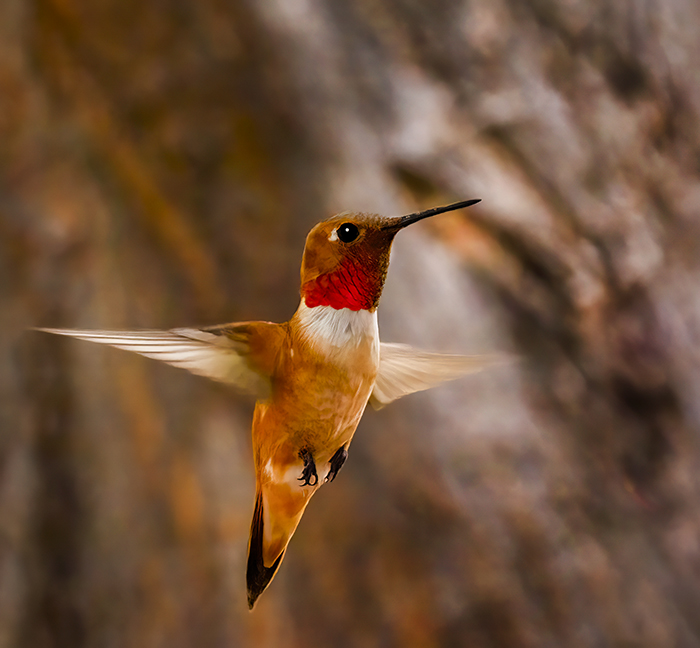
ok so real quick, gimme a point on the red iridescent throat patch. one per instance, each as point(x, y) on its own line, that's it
point(347, 287)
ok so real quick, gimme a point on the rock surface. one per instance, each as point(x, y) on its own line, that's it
point(161, 163)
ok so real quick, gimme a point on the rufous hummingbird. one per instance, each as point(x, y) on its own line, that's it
point(312, 376)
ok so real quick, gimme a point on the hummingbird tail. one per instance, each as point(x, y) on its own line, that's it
point(258, 577)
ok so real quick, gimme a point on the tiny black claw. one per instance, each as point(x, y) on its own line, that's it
point(309, 471)
point(337, 461)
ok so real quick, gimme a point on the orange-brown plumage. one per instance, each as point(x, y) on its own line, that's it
point(318, 396)
point(312, 376)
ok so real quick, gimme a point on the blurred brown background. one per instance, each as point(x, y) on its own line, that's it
point(160, 165)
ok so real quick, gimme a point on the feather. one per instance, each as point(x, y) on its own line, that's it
point(220, 355)
point(258, 576)
point(404, 370)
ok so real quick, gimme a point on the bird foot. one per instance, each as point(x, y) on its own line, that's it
point(337, 461)
point(309, 476)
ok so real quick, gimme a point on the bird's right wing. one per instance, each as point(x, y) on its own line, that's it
point(240, 354)
point(404, 370)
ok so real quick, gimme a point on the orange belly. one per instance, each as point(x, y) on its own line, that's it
point(315, 407)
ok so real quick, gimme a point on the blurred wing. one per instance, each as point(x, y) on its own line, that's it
point(221, 356)
point(404, 370)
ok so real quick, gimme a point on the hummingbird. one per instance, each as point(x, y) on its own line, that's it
point(312, 376)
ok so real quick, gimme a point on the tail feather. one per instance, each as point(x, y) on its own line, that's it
point(258, 577)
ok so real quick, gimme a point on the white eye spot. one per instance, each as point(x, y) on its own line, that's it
point(334, 235)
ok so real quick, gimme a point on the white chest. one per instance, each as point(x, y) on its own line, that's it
point(340, 333)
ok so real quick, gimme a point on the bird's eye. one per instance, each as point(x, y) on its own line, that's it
point(348, 232)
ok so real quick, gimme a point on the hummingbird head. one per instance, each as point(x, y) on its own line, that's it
point(346, 257)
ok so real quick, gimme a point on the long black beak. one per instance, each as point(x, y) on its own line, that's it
point(401, 221)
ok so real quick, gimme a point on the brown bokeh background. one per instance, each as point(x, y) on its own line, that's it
point(160, 165)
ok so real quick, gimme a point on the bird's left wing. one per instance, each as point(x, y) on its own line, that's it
point(404, 370)
point(236, 354)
